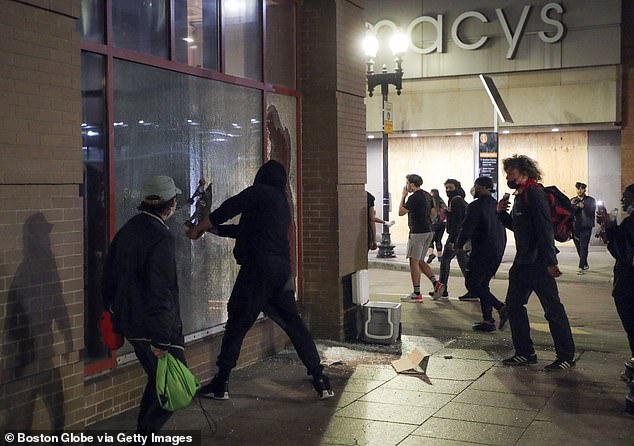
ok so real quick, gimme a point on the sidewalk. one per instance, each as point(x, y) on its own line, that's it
point(466, 397)
point(600, 260)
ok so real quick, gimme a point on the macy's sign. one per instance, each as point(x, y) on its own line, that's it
point(513, 36)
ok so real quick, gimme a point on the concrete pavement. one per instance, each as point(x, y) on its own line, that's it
point(466, 398)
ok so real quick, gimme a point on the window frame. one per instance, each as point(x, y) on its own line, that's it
point(110, 52)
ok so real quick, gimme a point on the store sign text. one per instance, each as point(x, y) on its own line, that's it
point(513, 36)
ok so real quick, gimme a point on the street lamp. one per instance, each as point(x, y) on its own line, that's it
point(398, 45)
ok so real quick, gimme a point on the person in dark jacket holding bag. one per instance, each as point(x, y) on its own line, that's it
point(534, 267)
point(488, 241)
point(585, 207)
point(264, 283)
point(141, 290)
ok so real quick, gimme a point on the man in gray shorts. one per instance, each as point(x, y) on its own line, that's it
point(418, 208)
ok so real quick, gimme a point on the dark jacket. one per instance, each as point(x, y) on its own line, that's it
point(621, 246)
point(584, 217)
point(455, 216)
point(482, 226)
point(530, 222)
point(262, 234)
point(140, 285)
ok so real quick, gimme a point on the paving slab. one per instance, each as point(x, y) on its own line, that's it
point(407, 397)
point(428, 441)
point(460, 430)
point(486, 414)
point(350, 431)
point(458, 369)
point(579, 433)
point(499, 399)
point(420, 383)
point(394, 413)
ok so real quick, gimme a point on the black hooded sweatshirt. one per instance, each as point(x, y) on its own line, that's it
point(262, 234)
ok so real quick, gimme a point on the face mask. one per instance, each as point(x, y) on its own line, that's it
point(512, 184)
point(473, 192)
point(630, 209)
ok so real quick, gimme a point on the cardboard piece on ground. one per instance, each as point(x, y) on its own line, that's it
point(415, 362)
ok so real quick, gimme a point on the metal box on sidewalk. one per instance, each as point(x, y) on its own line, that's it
point(381, 322)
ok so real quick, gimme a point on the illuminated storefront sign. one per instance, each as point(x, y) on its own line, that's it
point(554, 31)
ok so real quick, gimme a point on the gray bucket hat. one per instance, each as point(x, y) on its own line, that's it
point(160, 186)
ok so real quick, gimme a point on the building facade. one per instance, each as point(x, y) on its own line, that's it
point(97, 95)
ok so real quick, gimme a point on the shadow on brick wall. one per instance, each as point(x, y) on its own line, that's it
point(30, 344)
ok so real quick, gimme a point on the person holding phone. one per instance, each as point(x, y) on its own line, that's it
point(534, 267)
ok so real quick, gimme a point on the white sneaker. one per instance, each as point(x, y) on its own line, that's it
point(390, 223)
point(414, 297)
point(581, 272)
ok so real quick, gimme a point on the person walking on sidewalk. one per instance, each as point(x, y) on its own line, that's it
point(418, 207)
point(534, 267)
point(372, 221)
point(437, 225)
point(141, 291)
point(455, 216)
point(488, 240)
point(585, 207)
point(621, 246)
point(264, 282)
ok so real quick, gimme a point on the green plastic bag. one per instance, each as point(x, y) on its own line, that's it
point(176, 385)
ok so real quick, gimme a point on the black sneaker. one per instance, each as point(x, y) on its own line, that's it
point(468, 297)
point(444, 294)
point(215, 389)
point(431, 258)
point(484, 326)
point(504, 317)
point(322, 387)
point(520, 360)
point(559, 364)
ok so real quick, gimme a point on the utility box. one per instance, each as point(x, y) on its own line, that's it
point(381, 322)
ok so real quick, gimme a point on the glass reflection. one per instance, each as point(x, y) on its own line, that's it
point(91, 20)
point(242, 38)
point(141, 25)
point(94, 144)
point(196, 32)
point(189, 128)
point(280, 42)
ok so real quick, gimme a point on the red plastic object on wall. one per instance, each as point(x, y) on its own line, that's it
point(111, 339)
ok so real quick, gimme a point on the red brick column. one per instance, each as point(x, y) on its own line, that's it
point(333, 160)
point(627, 132)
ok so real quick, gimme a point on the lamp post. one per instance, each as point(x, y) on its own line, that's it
point(398, 45)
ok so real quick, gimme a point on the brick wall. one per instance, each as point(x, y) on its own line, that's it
point(333, 159)
point(627, 133)
point(41, 228)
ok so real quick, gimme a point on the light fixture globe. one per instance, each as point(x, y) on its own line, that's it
point(370, 45)
point(398, 43)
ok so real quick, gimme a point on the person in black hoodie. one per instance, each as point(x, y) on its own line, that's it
point(488, 240)
point(264, 283)
point(140, 289)
point(456, 209)
point(535, 266)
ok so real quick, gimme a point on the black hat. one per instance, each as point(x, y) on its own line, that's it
point(486, 182)
point(580, 185)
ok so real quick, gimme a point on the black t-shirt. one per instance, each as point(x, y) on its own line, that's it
point(419, 206)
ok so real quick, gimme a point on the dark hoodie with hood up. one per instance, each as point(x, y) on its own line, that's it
point(262, 234)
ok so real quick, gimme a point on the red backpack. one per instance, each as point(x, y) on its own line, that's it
point(561, 212)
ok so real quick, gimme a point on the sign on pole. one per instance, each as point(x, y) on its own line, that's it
point(388, 125)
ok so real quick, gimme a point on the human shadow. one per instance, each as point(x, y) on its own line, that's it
point(31, 348)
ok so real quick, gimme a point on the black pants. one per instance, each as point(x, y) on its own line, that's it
point(152, 416)
point(478, 275)
point(262, 289)
point(437, 240)
point(445, 262)
point(625, 307)
point(582, 240)
point(523, 280)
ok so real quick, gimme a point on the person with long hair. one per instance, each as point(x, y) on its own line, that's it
point(438, 226)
